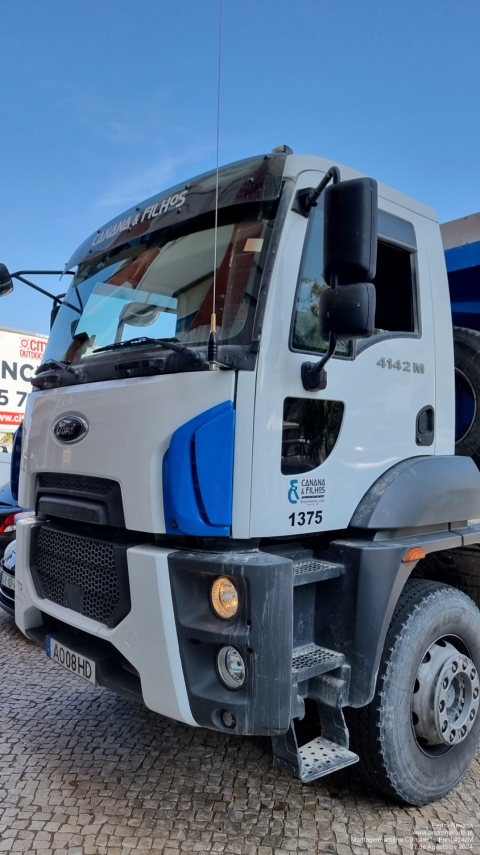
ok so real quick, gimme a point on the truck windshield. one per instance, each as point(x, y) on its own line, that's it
point(161, 286)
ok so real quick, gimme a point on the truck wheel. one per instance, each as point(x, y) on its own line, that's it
point(467, 393)
point(418, 736)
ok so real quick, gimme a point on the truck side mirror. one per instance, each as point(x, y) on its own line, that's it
point(347, 311)
point(6, 284)
point(54, 313)
point(350, 232)
point(350, 229)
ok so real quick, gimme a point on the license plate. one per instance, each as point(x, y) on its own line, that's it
point(8, 581)
point(71, 660)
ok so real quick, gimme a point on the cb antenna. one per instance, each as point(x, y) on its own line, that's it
point(212, 354)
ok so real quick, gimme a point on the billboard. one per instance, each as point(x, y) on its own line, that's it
point(20, 355)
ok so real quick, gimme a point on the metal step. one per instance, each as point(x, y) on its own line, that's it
point(320, 757)
point(309, 570)
point(312, 660)
point(313, 760)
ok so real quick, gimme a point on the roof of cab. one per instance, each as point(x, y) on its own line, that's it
point(295, 164)
point(298, 163)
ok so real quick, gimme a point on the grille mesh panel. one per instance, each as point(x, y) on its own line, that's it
point(89, 565)
point(80, 483)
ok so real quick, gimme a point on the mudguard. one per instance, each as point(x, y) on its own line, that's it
point(421, 491)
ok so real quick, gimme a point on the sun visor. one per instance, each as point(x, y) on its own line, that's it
point(257, 179)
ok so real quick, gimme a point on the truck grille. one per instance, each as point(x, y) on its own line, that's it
point(80, 573)
point(78, 483)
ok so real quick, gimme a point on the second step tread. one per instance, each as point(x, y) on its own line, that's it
point(314, 570)
point(312, 660)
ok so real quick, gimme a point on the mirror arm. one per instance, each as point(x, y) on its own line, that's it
point(42, 291)
point(308, 198)
point(44, 273)
point(314, 376)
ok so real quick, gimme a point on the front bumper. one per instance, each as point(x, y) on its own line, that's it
point(164, 650)
point(146, 638)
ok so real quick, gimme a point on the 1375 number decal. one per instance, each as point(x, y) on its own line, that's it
point(302, 517)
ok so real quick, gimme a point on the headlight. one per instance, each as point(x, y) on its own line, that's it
point(224, 598)
point(231, 667)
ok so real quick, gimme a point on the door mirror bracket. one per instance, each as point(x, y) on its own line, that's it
point(314, 376)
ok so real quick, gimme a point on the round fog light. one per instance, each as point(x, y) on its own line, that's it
point(228, 718)
point(224, 598)
point(231, 667)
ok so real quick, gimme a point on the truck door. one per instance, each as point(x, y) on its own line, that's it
point(315, 454)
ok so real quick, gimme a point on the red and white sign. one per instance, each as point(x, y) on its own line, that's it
point(20, 356)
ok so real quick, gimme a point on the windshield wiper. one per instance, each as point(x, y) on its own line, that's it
point(168, 344)
point(52, 365)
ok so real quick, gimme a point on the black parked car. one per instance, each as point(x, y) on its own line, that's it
point(8, 508)
point(7, 579)
point(9, 495)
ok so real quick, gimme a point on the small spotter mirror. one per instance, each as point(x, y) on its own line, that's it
point(6, 284)
point(136, 315)
point(139, 314)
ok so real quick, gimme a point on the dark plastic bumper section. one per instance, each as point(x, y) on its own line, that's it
point(274, 632)
point(261, 632)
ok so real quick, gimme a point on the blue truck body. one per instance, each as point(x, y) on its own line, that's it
point(461, 239)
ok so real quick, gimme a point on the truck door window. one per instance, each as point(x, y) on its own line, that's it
point(310, 431)
point(396, 309)
point(305, 334)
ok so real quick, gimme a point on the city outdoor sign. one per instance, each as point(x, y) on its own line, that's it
point(20, 355)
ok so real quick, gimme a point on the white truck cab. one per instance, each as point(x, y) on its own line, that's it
point(281, 535)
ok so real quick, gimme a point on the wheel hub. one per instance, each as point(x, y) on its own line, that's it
point(446, 695)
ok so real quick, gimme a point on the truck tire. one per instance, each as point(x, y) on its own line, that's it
point(418, 736)
point(467, 393)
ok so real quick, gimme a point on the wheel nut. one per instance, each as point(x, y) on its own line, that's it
point(473, 674)
point(454, 667)
point(444, 726)
point(445, 683)
point(464, 664)
point(475, 693)
point(472, 715)
point(452, 736)
point(463, 730)
point(441, 706)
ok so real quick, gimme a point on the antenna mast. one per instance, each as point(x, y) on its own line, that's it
point(213, 340)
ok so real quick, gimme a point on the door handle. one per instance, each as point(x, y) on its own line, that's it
point(426, 426)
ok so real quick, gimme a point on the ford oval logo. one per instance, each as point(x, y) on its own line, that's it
point(70, 428)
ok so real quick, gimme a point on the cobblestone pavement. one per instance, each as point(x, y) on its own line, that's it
point(84, 772)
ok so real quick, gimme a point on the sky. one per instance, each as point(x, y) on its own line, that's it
point(106, 102)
